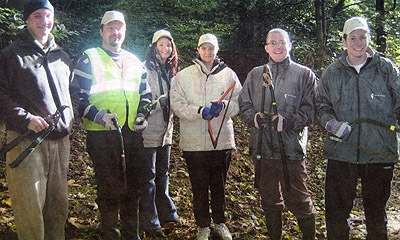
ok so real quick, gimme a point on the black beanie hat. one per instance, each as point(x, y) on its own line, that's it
point(33, 5)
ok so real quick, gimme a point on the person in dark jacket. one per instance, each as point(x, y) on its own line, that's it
point(361, 84)
point(293, 90)
point(36, 79)
point(114, 88)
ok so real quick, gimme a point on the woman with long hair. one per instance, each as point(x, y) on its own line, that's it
point(156, 207)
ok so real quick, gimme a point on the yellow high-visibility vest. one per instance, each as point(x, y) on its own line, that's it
point(114, 88)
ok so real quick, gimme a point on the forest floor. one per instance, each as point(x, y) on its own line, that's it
point(245, 218)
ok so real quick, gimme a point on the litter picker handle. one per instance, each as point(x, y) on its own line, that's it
point(14, 143)
point(31, 147)
point(226, 92)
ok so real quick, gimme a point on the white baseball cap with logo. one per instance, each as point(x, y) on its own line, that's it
point(208, 38)
point(355, 23)
point(112, 16)
point(161, 33)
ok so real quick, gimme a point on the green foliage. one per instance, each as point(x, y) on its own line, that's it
point(10, 24)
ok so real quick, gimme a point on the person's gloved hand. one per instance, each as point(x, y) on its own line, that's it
point(339, 129)
point(216, 108)
point(279, 123)
point(162, 100)
point(206, 114)
point(105, 119)
point(140, 123)
point(260, 120)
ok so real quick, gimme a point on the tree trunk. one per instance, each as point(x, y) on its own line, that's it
point(380, 23)
point(320, 32)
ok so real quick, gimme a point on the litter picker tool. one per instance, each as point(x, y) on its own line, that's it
point(52, 120)
point(267, 77)
point(210, 131)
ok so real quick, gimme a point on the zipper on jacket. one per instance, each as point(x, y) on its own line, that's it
point(359, 116)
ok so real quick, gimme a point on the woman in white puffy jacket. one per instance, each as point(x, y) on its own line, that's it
point(203, 98)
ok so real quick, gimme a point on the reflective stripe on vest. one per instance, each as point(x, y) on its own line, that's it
point(114, 88)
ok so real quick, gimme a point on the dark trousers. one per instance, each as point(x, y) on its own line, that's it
point(340, 193)
point(207, 170)
point(274, 195)
point(104, 148)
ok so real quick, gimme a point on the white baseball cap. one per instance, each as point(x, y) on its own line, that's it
point(112, 16)
point(355, 23)
point(161, 33)
point(208, 38)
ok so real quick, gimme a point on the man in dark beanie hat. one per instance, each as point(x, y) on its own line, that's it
point(35, 81)
point(33, 5)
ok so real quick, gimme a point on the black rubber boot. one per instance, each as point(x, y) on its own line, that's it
point(307, 227)
point(273, 220)
point(109, 221)
point(130, 218)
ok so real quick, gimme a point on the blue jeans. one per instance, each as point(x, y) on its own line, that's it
point(155, 204)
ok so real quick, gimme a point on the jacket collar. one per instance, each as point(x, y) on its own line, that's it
point(218, 66)
point(282, 65)
point(25, 39)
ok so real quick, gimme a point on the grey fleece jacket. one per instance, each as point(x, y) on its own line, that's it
point(294, 92)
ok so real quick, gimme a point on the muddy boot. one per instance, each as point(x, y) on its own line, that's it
point(307, 227)
point(337, 231)
point(273, 220)
point(109, 222)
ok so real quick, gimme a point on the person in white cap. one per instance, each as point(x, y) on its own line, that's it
point(198, 98)
point(361, 84)
point(37, 80)
point(114, 95)
point(156, 207)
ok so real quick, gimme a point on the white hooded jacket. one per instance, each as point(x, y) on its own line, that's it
point(193, 89)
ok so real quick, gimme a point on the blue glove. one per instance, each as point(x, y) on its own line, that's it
point(339, 129)
point(206, 114)
point(140, 123)
point(215, 108)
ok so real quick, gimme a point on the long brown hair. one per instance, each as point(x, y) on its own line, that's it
point(172, 62)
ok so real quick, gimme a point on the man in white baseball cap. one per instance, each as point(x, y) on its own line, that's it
point(113, 79)
point(344, 96)
point(112, 16)
point(355, 23)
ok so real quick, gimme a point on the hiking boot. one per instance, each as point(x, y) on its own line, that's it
point(155, 234)
point(222, 231)
point(204, 233)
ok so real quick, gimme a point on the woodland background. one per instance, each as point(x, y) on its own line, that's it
point(241, 26)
